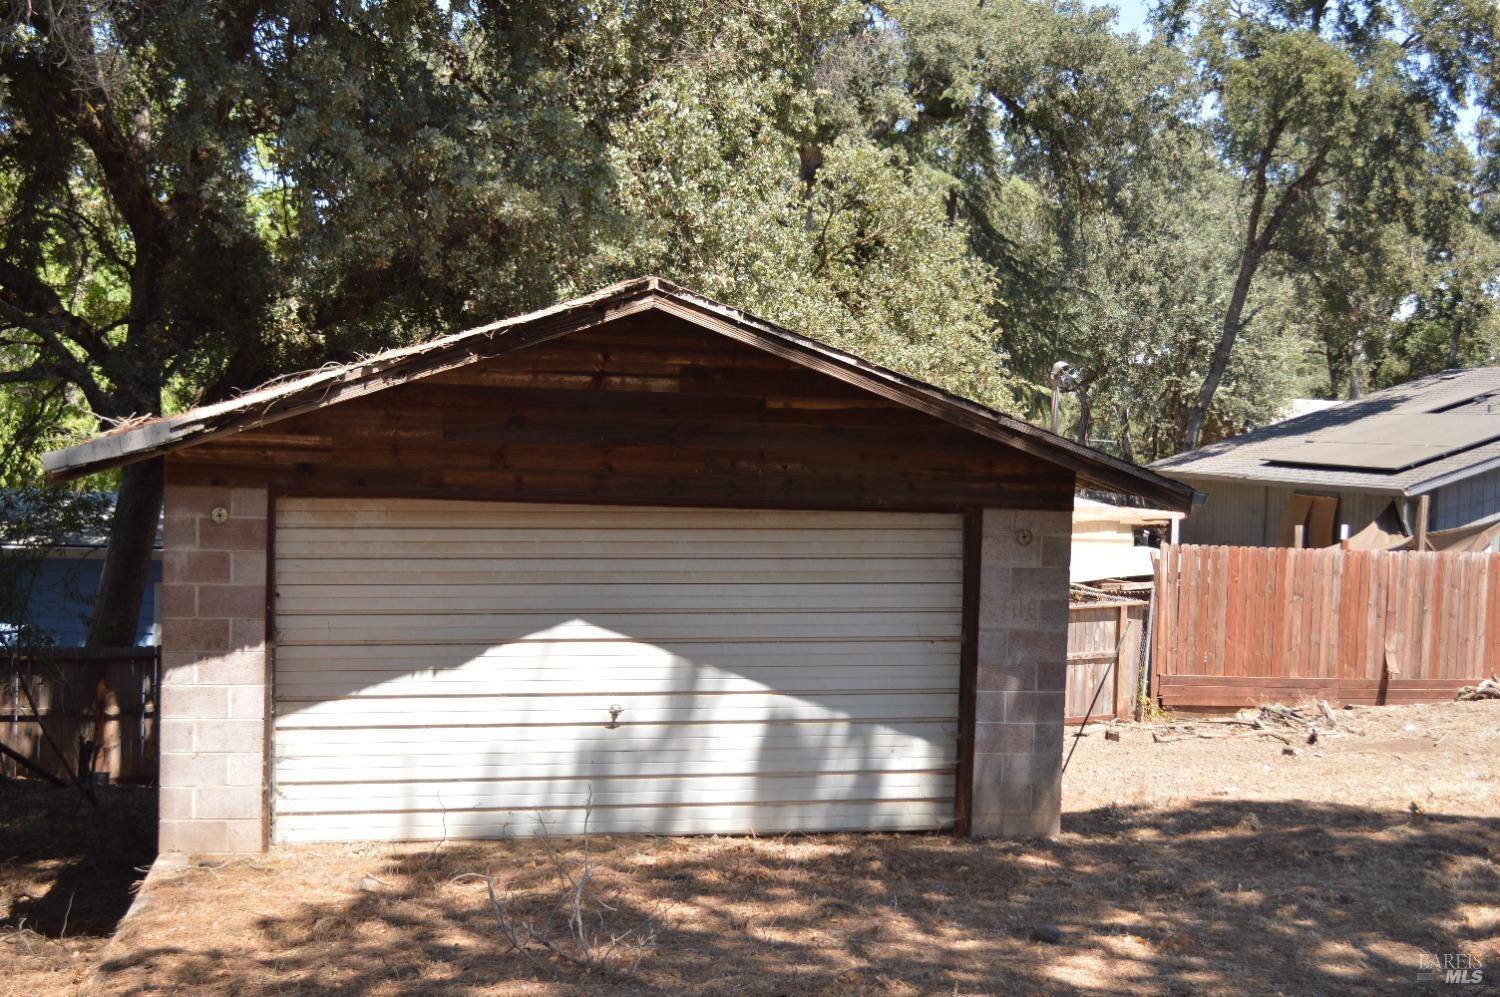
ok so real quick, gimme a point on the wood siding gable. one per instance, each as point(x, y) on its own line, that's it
point(648, 409)
point(641, 298)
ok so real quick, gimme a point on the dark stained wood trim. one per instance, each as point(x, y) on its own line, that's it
point(481, 495)
point(968, 671)
point(460, 355)
point(267, 762)
point(455, 495)
point(492, 495)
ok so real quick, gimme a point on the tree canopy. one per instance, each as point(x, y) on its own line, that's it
point(1255, 199)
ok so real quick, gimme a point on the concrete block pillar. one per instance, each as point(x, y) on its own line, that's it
point(1022, 673)
point(214, 668)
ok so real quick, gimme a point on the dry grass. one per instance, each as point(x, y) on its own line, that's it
point(1183, 867)
point(1313, 898)
point(1312, 877)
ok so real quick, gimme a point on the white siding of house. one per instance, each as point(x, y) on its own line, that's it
point(1250, 514)
point(447, 669)
point(1233, 514)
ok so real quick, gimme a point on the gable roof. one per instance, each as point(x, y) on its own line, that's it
point(282, 399)
point(1401, 441)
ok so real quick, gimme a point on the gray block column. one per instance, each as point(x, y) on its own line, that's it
point(214, 682)
point(1022, 672)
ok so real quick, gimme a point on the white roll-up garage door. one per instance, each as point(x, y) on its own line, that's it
point(468, 669)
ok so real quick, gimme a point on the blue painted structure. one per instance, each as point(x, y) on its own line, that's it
point(63, 593)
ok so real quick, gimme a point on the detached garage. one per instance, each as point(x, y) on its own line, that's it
point(639, 557)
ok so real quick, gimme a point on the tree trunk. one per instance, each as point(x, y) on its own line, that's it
point(1258, 241)
point(1334, 361)
point(127, 564)
point(1198, 414)
point(1085, 417)
point(809, 161)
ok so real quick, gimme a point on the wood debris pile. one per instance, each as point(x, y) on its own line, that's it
point(1287, 724)
point(1488, 689)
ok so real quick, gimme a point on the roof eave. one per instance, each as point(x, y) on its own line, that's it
point(1449, 477)
point(1242, 479)
point(318, 390)
point(105, 452)
point(162, 436)
point(1094, 466)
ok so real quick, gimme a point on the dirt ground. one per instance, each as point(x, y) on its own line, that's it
point(1206, 864)
point(1444, 757)
point(67, 872)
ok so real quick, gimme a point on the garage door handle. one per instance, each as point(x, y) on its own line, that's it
point(614, 717)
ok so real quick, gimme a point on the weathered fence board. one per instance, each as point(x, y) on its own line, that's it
point(1237, 626)
point(1097, 655)
point(108, 697)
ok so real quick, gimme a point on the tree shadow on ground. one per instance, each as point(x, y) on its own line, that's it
point(1226, 897)
point(69, 869)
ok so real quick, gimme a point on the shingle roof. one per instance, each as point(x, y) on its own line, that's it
point(1307, 450)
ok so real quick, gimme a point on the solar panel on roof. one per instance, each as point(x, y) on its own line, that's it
point(1392, 443)
point(1385, 457)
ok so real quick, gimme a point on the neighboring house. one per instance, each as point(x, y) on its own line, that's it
point(61, 591)
point(638, 559)
point(1430, 445)
point(1108, 539)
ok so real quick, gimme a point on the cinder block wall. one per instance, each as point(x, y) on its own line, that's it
point(214, 669)
point(1022, 675)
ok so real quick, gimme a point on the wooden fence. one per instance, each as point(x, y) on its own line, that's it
point(1237, 626)
point(107, 697)
point(1097, 655)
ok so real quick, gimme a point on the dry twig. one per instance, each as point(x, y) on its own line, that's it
point(589, 940)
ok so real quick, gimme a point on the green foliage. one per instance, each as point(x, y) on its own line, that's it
point(1340, 121)
point(1043, 116)
point(862, 257)
point(1453, 321)
point(232, 191)
point(1155, 277)
point(196, 196)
